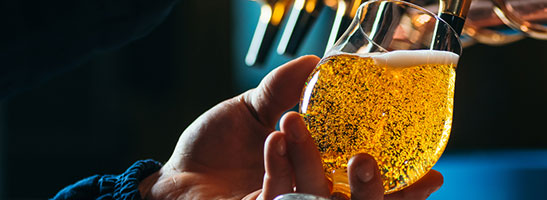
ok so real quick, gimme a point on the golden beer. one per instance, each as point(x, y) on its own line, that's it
point(395, 106)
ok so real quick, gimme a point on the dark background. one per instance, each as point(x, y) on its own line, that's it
point(120, 106)
point(132, 103)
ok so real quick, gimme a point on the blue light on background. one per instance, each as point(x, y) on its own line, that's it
point(504, 174)
point(245, 18)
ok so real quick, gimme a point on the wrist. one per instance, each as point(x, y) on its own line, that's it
point(147, 183)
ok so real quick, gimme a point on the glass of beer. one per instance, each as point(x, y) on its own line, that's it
point(386, 88)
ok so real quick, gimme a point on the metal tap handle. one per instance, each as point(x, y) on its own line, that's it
point(345, 11)
point(271, 15)
point(302, 16)
point(454, 12)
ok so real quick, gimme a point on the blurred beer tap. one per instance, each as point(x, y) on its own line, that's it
point(452, 11)
point(302, 16)
point(493, 22)
point(345, 11)
point(272, 13)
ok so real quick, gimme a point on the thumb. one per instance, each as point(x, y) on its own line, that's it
point(280, 90)
point(364, 178)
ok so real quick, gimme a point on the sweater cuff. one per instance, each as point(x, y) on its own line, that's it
point(127, 184)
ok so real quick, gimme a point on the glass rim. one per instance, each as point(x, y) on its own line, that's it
point(358, 16)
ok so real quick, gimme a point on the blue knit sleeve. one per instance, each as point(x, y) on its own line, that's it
point(123, 186)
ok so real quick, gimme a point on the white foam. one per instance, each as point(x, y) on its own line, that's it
point(408, 58)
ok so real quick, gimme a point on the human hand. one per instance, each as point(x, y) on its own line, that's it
point(300, 165)
point(222, 153)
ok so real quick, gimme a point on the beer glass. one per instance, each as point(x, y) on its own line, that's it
point(385, 88)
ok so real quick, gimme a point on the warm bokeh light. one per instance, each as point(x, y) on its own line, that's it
point(420, 20)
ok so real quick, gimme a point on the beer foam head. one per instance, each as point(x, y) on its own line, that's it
point(408, 58)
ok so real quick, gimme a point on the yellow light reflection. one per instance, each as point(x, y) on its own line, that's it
point(331, 3)
point(524, 28)
point(310, 6)
point(278, 11)
point(422, 19)
point(471, 32)
point(354, 7)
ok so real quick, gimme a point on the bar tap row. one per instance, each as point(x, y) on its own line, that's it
point(493, 22)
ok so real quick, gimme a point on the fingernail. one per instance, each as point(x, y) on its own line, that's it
point(281, 147)
point(365, 171)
